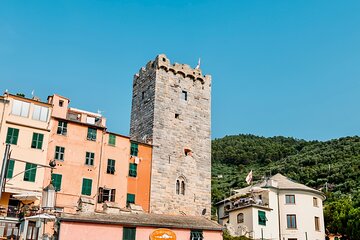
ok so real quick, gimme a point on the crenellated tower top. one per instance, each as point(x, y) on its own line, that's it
point(162, 62)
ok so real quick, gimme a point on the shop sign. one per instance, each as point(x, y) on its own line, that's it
point(162, 234)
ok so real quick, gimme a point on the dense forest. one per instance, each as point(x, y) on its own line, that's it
point(331, 166)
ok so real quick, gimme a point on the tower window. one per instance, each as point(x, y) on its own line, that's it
point(182, 189)
point(184, 95)
point(177, 115)
point(180, 186)
point(142, 95)
point(177, 187)
point(61, 103)
point(188, 152)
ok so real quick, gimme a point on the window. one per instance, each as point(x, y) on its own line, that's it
point(182, 188)
point(91, 135)
point(240, 218)
point(12, 135)
point(89, 159)
point(110, 166)
point(291, 221)
point(317, 224)
point(62, 128)
point(290, 199)
point(106, 195)
point(177, 115)
point(142, 95)
point(30, 172)
point(177, 187)
point(20, 108)
point(37, 140)
point(133, 170)
point(315, 202)
point(112, 139)
point(86, 187)
point(262, 218)
point(59, 153)
point(61, 103)
point(196, 235)
point(129, 233)
point(10, 169)
point(134, 149)
point(40, 113)
point(130, 198)
point(56, 181)
point(184, 95)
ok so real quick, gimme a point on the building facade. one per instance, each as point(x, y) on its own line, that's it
point(25, 125)
point(171, 110)
point(277, 208)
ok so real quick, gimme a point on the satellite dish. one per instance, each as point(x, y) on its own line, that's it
point(203, 211)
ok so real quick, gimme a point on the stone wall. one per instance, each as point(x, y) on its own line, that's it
point(161, 116)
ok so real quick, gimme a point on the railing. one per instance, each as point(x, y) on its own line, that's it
point(245, 202)
point(12, 211)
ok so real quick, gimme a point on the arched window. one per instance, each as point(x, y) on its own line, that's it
point(240, 218)
point(183, 187)
point(177, 187)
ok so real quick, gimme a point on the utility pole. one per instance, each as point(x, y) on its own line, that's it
point(4, 168)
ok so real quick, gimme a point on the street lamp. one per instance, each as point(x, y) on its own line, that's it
point(48, 194)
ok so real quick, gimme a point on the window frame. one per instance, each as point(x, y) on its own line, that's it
point(37, 140)
point(129, 233)
point(290, 199)
point(41, 113)
point(110, 169)
point(134, 149)
point(315, 202)
point(261, 220)
point(112, 140)
point(12, 138)
point(56, 181)
point(22, 109)
point(130, 196)
point(62, 128)
point(291, 222)
point(10, 169)
point(132, 170)
point(91, 134)
point(240, 218)
point(89, 158)
point(59, 155)
point(317, 223)
point(110, 196)
point(196, 234)
point(30, 172)
point(86, 187)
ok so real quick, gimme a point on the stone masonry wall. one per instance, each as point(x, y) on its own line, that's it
point(172, 125)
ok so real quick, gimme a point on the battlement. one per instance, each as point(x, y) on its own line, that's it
point(162, 62)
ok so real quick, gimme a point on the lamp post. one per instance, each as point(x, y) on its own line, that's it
point(49, 194)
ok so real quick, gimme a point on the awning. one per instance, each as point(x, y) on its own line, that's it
point(31, 196)
point(41, 216)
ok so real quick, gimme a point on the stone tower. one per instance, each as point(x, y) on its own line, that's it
point(171, 110)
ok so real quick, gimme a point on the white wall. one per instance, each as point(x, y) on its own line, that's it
point(305, 216)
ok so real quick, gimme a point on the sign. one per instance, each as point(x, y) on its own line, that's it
point(162, 234)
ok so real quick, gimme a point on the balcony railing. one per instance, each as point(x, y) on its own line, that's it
point(242, 202)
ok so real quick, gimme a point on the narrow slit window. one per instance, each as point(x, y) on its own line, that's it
point(184, 95)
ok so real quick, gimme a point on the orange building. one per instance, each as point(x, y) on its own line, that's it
point(92, 165)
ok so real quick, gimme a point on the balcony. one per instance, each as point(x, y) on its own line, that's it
point(250, 199)
point(16, 212)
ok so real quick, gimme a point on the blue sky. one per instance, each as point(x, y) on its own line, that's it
point(279, 67)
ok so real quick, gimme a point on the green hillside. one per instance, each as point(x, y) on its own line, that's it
point(332, 166)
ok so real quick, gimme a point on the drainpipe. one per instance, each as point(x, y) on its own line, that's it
point(100, 163)
point(278, 201)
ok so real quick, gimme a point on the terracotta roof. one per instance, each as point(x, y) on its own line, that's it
point(145, 219)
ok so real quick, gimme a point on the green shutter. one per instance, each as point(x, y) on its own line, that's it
point(86, 187)
point(134, 149)
point(129, 233)
point(57, 179)
point(30, 172)
point(130, 198)
point(112, 139)
point(262, 218)
point(133, 170)
point(12, 136)
point(37, 140)
point(10, 169)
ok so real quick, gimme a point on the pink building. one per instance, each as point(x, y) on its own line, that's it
point(137, 226)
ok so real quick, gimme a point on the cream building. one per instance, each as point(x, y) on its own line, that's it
point(24, 124)
point(277, 208)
